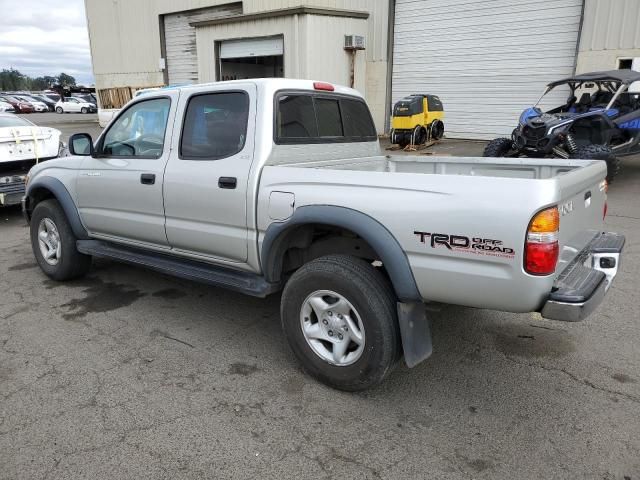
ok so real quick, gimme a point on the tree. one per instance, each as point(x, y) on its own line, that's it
point(66, 80)
point(12, 79)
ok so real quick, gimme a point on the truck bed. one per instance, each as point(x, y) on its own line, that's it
point(526, 168)
point(474, 197)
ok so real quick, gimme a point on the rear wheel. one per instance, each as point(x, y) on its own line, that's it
point(59, 110)
point(600, 152)
point(54, 244)
point(339, 317)
point(499, 147)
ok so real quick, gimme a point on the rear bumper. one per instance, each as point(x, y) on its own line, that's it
point(582, 285)
point(12, 190)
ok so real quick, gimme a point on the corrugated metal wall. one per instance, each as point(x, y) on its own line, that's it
point(180, 40)
point(610, 31)
point(486, 59)
point(610, 25)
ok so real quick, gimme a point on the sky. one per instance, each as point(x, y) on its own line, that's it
point(45, 37)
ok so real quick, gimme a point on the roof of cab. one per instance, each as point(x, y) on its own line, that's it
point(270, 84)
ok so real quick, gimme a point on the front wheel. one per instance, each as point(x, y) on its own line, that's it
point(499, 147)
point(84, 110)
point(437, 130)
point(600, 152)
point(339, 317)
point(54, 244)
point(59, 110)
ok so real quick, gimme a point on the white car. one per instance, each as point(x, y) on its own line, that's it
point(37, 106)
point(6, 107)
point(74, 105)
point(23, 145)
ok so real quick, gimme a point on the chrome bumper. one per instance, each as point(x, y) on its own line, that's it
point(582, 285)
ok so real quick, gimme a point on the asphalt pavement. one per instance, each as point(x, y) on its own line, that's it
point(131, 374)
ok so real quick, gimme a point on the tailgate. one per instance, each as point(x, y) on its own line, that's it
point(581, 208)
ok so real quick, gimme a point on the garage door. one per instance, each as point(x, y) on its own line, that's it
point(180, 40)
point(486, 59)
point(252, 47)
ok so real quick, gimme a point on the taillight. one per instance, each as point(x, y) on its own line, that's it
point(604, 187)
point(541, 248)
point(323, 86)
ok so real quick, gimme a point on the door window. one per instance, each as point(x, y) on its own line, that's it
point(215, 126)
point(139, 131)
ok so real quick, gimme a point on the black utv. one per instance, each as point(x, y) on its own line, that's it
point(600, 120)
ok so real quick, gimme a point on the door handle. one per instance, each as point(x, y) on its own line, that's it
point(227, 182)
point(148, 178)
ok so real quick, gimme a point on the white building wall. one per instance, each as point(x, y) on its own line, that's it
point(610, 30)
point(126, 47)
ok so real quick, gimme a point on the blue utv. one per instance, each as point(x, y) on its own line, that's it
point(602, 124)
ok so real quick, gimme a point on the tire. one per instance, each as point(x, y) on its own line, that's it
point(499, 147)
point(437, 130)
point(59, 110)
point(69, 263)
point(84, 110)
point(600, 152)
point(371, 307)
point(418, 135)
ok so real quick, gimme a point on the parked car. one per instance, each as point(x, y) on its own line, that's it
point(85, 97)
point(22, 145)
point(276, 184)
point(51, 105)
point(38, 106)
point(52, 95)
point(20, 106)
point(74, 105)
point(6, 107)
point(603, 124)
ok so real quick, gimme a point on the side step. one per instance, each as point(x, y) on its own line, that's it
point(244, 282)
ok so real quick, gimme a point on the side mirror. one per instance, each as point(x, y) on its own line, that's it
point(81, 144)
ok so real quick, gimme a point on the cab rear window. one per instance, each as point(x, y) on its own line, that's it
point(303, 117)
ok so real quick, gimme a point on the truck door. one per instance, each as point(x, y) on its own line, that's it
point(206, 180)
point(120, 188)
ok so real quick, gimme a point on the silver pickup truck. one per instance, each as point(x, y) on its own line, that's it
point(275, 184)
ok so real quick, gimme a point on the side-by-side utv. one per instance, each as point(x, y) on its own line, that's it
point(600, 120)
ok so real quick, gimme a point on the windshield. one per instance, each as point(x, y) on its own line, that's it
point(11, 121)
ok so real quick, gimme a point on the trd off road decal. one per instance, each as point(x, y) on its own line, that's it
point(460, 243)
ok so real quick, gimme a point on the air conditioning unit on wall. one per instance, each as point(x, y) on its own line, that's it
point(353, 42)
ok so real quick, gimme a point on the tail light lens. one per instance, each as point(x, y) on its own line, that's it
point(541, 247)
point(323, 86)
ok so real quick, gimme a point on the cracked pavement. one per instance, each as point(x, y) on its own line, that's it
point(131, 374)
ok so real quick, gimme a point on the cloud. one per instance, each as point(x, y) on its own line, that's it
point(41, 37)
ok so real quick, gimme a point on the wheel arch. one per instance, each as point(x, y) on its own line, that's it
point(43, 188)
point(277, 241)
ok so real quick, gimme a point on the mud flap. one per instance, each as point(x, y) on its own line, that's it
point(415, 330)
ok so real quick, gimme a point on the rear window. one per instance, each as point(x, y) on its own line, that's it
point(296, 117)
point(11, 121)
point(303, 117)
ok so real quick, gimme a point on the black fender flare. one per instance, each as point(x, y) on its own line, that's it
point(369, 229)
point(62, 195)
point(415, 329)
